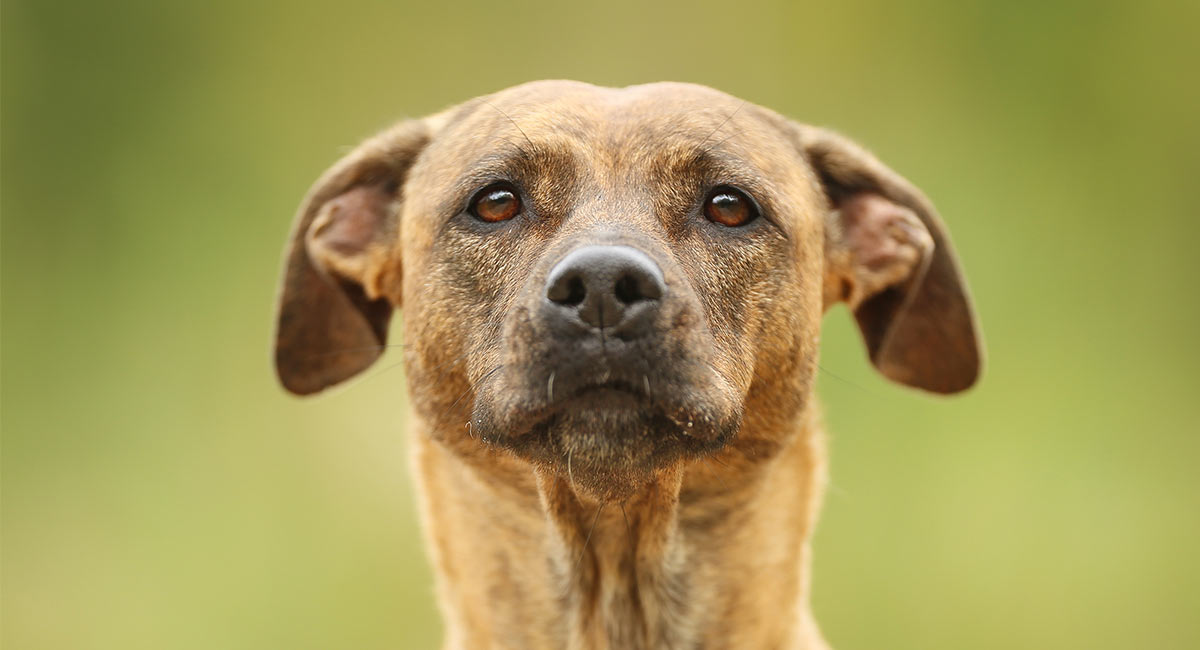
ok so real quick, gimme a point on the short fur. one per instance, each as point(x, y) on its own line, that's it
point(682, 517)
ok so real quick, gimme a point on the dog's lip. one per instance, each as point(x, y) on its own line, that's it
point(610, 396)
point(610, 385)
point(603, 395)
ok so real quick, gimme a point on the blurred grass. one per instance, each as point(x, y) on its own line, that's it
point(159, 491)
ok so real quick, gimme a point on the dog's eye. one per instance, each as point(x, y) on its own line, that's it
point(729, 207)
point(494, 203)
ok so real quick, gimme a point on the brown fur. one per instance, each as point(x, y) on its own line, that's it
point(684, 522)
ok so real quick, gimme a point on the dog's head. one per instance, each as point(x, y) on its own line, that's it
point(608, 282)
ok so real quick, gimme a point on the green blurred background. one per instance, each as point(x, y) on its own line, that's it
point(161, 491)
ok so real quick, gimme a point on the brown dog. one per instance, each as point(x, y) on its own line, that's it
point(612, 303)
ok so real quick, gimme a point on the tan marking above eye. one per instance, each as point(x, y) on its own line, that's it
point(729, 207)
point(496, 203)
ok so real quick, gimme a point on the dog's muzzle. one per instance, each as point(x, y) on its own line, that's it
point(607, 370)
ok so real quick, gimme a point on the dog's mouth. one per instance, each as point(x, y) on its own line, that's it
point(608, 395)
point(606, 433)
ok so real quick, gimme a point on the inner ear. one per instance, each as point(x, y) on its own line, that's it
point(873, 245)
point(351, 236)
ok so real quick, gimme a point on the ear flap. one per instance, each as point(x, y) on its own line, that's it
point(918, 324)
point(333, 314)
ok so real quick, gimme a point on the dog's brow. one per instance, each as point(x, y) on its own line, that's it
point(716, 165)
point(503, 161)
point(518, 162)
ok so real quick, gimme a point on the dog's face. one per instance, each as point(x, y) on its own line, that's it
point(613, 269)
point(611, 282)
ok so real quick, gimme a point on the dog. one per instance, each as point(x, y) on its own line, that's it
point(612, 305)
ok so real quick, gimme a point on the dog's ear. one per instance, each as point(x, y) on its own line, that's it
point(889, 258)
point(334, 304)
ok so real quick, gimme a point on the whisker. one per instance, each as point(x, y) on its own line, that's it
point(836, 490)
point(473, 386)
point(591, 529)
point(514, 122)
point(628, 529)
point(365, 378)
point(570, 474)
point(718, 476)
point(826, 371)
point(315, 355)
point(722, 124)
point(359, 381)
point(722, 141)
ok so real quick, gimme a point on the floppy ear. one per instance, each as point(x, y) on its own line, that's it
point(342, 257)
point(889, 258)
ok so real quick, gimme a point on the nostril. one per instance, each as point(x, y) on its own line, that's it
point(634, 287)
point(567, 290)
point(576, 292)
point(627, 290)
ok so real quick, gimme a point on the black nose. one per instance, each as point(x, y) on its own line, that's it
point(607, 286)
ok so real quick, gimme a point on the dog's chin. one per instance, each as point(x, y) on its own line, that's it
point(607, 441)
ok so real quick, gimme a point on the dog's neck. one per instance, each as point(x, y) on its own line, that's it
point(715, 554)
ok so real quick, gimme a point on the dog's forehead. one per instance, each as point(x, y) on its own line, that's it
point(649, 119)
point(647, 104)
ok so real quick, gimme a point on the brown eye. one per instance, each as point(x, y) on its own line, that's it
point(729, 207)
point(496, 203)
